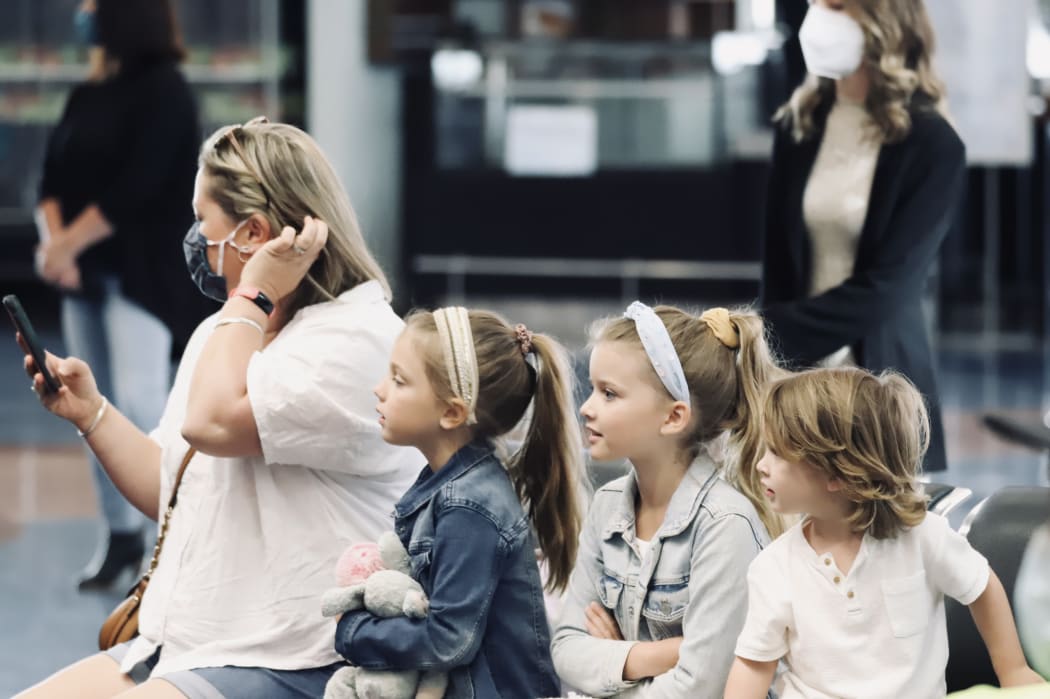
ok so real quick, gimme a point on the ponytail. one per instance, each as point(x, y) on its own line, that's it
point(755, 369)
point(546, 469)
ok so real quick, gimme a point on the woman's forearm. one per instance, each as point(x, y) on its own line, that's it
point(219, 419)
point(130, 457)
point(89, 228)
point(48, 218)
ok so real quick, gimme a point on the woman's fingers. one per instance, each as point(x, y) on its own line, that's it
point(308, 241)
point(313, 236)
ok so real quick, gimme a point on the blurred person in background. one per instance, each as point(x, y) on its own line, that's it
point(113, 208)
point(867, 177)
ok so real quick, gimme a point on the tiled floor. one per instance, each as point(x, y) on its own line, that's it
point(47, 530)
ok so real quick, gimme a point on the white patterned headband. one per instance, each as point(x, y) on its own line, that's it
point(660, 350)
point(457, 345)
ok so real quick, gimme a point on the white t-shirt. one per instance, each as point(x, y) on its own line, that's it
point(253, 541)
point(878, 631)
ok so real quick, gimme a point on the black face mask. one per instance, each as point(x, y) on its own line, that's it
point(195, 246)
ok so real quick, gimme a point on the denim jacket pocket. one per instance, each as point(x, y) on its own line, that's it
point(609, 591)
point(665, 606)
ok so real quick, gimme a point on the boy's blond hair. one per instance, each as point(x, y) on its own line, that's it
point(868, 432)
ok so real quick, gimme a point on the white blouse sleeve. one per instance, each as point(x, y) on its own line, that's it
point(311, 396)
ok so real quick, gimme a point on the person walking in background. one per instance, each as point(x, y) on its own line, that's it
point(867, 176)
point(113, 207)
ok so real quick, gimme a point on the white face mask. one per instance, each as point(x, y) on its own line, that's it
point(832, 43)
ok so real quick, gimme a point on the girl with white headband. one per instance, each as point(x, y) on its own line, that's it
point(658, 594)
point(458, 380)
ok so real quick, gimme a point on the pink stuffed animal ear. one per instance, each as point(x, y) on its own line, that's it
point(357, 563)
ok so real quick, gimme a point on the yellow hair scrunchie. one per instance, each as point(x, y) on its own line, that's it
point(722, 326)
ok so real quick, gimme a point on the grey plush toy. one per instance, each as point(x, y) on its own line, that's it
point(376, 577)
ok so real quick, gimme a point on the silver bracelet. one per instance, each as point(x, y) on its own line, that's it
point(98, 418)
point(241, 321)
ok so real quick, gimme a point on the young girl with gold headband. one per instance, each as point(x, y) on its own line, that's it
point(458, 380)
point(657, 594)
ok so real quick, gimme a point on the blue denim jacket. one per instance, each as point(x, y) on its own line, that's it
point(472, 550)
point(691, 583)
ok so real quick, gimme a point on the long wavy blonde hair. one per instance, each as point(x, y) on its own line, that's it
point(279, 172)
point(869, 432)
point(725, 387)
point(898, 55)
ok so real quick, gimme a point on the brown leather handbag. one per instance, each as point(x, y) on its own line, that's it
point(122, 624)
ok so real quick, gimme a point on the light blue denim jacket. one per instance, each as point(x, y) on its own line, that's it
point(692, 584)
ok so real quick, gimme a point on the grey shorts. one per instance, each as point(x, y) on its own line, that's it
point(234, 682)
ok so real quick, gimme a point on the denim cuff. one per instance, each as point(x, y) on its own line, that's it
point(611, 666)
point(345, 630)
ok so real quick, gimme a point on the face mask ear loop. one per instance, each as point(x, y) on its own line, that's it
point(222, 254)
point(241, 250)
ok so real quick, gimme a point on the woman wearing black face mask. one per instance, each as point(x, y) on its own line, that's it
point(866, 182)
point(274, 394)
point(117, 176)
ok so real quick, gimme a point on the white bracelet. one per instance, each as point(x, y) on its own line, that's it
point(241, 321)
point(98, 418)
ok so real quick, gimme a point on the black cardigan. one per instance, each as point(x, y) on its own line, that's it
point(129, 145)
point(915, 195)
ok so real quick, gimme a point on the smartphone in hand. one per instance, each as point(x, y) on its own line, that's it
point(29, 336)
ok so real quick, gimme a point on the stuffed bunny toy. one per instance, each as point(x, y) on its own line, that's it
point(375, 577)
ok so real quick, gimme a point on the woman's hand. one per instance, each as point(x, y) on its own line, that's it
point(56, 263)
point(600, 623)
point(280, 265)
point(78, 399)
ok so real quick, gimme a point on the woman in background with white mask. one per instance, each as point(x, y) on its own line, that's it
point(867, 178)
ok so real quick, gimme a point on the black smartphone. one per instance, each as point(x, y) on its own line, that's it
point(25, 328)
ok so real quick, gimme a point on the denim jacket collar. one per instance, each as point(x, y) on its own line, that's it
point(430, 482)
point(687, 498)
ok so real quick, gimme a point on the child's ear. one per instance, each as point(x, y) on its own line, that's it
point(455, 414)
point(834, 484)
point(677, 420)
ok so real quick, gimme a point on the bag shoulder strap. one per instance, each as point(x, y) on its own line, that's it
point(167, 517)
point(178, 476)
